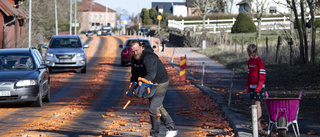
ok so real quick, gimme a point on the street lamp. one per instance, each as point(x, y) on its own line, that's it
point(56, 16)
point(107, 12)
point(30, 15)
point(90, 15)
point(70, 23)
point(75, 17)
point(138, 15)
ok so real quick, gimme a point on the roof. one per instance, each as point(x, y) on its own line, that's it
point(14, 50)
point(95, 7)
point(65, 36)
point(9, 10)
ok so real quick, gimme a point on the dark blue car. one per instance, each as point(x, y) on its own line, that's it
point(23, 76)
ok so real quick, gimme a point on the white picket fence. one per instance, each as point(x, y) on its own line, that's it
point(216, 26)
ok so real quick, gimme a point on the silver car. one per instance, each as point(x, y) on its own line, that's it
point(66, 51)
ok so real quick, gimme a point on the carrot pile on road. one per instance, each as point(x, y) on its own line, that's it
point(203, 108)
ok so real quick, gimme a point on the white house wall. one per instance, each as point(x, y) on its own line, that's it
point(180, 10)
point(234, 8)
point(280, 8)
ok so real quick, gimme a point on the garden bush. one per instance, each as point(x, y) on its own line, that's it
point(243, 24)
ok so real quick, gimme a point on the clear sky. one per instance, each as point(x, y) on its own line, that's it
point(132, 6)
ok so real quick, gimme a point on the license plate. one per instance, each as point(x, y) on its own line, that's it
point(64, 60)
point(5, 93)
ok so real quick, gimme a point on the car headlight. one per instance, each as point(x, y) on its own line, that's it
point(50, 54)
point(24, 83)
point(80, 54)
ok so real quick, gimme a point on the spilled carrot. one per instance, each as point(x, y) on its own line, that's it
point(125, 106)
point(157, 116)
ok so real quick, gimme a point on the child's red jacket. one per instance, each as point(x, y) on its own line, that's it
point(256, 74)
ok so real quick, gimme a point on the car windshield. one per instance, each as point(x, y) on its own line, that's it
point(90, 31)
point(142, 42)
point(106, 28)
point(65, 43)
point(15, 61)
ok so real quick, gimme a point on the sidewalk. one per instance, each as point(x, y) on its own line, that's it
point(217, 82)
point(217, 76)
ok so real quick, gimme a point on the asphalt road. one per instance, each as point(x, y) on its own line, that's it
point(91, 104)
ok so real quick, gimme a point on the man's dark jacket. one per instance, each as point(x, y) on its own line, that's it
point(149, 67)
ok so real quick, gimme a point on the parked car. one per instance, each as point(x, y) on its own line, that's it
point(23, 76)
point(65, 52)
point(106, 30)
point(126, 51)
point(89, 33)
point(98, 32)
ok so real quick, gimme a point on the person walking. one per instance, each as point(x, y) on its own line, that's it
point(39, 39)
point(146, 64)
point(163, 41)
point(255, 79)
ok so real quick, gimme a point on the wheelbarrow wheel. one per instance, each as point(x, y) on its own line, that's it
point(282, 123)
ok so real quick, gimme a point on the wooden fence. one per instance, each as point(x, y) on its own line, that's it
point(219, 25)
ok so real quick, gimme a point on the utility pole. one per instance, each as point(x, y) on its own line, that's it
point(75, 17)
point(90, 15)
point(56, 16)
point(30, 15)
point(138, 16)
point(70, 23)
point(107, 14)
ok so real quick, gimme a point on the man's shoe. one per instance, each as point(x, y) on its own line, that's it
point(171, 133)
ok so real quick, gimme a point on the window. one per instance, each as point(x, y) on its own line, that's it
point(272, 9)
point(97, 16)
point(101, 16)
point(91, 16)
point(107, 16)
point(112, 16)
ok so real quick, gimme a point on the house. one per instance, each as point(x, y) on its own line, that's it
point(237, 6)
point(12, 20)
point(272, 6)
point(173, 8)
point(93, 16)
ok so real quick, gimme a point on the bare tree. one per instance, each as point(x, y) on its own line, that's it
point(121, 11)
point(293, 7)
point(258, 8)
point(43, 18)
point(231, 3)
point(204, 7)
point(313, 6)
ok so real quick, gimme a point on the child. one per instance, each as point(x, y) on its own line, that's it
point(255, 81)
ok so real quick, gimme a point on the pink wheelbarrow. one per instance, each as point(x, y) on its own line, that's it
point(282, 113)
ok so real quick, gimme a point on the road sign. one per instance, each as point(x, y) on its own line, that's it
point(72, 24)
point(159, 17)
point(124, 19)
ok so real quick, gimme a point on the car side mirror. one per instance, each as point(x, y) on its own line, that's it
point(86, 46)
point(154, 46)
point(45, 46)
point(42, 66)
point(120, 46)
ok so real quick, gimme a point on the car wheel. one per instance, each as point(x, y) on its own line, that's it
point(38, 102)
point(84, 69)
point(47, 97)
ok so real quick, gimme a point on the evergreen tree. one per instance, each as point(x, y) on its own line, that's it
point(153, 15)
